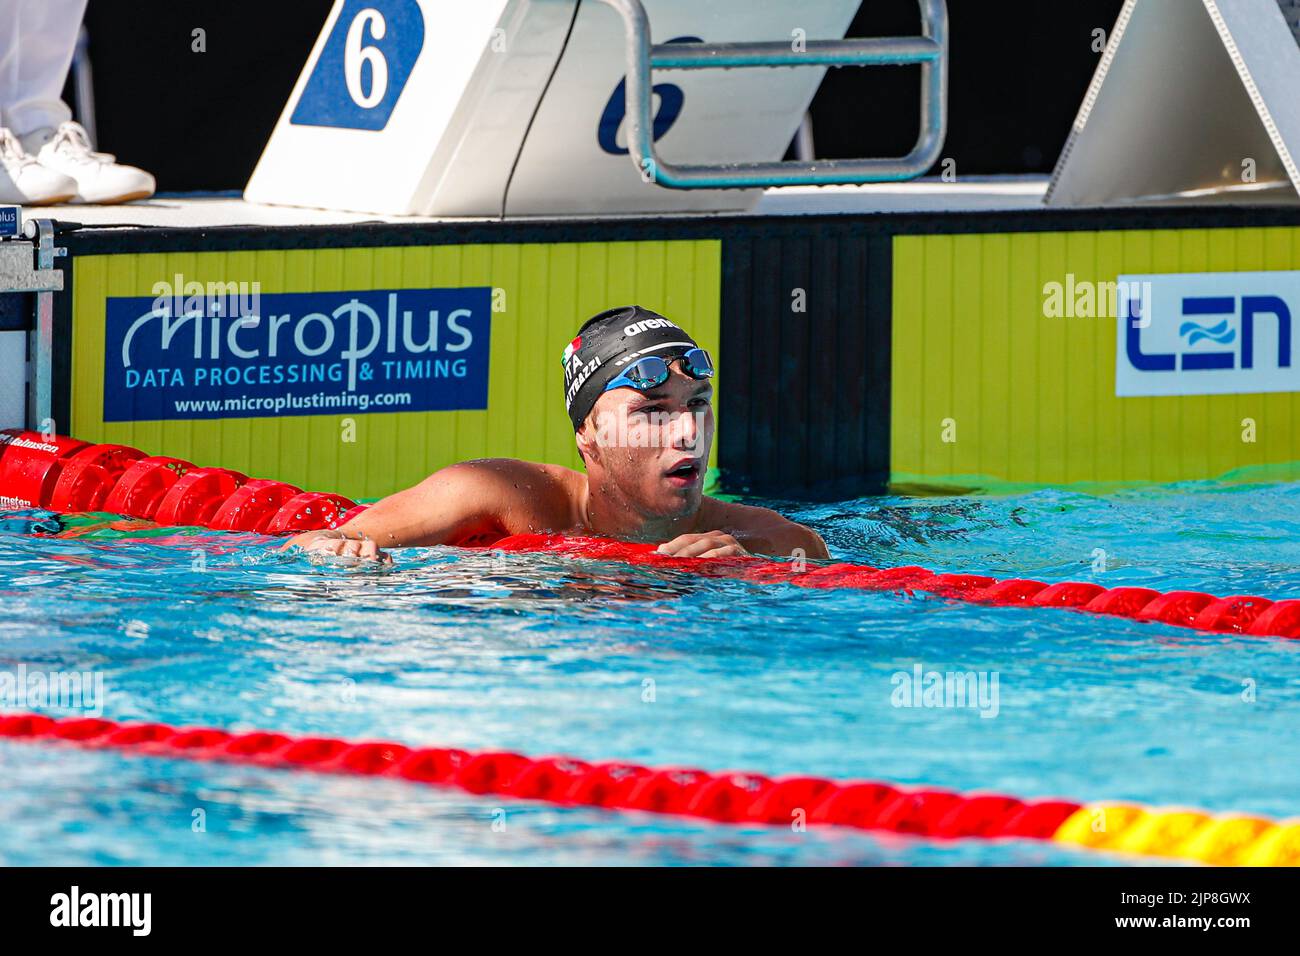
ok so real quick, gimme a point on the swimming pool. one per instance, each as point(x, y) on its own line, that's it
point(544, 654)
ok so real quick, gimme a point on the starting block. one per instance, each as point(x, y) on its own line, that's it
point(526, 107)
point(1228, 125)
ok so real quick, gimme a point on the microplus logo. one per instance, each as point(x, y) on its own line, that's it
point(8, 220)
point(1217, 333)
point(304, 353)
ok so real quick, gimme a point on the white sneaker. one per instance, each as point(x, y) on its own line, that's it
point(99, 177)
point(25, 181)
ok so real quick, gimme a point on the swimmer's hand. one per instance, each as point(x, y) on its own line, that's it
point(708, 544)
point(327, 544)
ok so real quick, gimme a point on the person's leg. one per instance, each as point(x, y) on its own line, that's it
point(36, 50)
point(8, 55)
point(34, 109)
point(37, 39)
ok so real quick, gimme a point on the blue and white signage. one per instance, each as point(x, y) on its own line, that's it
point(1207, 333)
point(310, 353)
point(11, 221)
point(364, 65)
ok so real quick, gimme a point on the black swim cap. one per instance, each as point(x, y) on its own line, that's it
point(606, 343)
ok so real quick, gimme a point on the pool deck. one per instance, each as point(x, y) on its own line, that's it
point(197, 211)
point(974, 194)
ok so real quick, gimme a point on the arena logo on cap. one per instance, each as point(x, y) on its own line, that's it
point(1215, 333)
point(636, 328)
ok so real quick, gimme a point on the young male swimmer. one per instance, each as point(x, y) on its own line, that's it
point(637, 390)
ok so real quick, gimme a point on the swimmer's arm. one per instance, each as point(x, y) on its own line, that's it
point(745, 529)
point(450, 504)
point(779, 537)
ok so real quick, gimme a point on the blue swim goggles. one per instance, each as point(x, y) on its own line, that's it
point(652, 371)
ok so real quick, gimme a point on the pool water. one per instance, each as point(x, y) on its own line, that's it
point(544, 654)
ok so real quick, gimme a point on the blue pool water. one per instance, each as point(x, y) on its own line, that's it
point(547, 655)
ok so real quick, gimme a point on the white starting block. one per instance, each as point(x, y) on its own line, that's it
point(1192, 99)
point(517, 107)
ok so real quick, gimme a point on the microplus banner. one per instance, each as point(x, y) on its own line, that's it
point(1212, 333)
point(244, 354)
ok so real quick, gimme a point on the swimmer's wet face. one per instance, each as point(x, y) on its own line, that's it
point(650, 449)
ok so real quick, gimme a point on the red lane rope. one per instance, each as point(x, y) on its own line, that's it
point(64, 474)
point(723, 797)
point(1239, 614)
point(733, 797)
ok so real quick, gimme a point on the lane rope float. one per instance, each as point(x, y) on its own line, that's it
point(1239, 614)
point(729, 797)
point(63, 474)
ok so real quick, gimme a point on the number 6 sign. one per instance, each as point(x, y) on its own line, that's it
point(367, 58)
point(378, 119)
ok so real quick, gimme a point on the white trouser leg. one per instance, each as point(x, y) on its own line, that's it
point(37, 40)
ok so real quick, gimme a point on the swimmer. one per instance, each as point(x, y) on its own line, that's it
point(638, 392)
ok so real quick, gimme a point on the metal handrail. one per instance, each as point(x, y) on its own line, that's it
point(930, 51)
point(40, 353)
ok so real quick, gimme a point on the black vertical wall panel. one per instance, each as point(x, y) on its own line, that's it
point(764, 360)
point(848, 441)
point(790, 409)
point(878, 307)
point(823, 347)
point(16, 311)
point(733, 398)
point(814, 420)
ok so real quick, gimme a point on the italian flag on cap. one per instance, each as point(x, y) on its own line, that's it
point(571, 348)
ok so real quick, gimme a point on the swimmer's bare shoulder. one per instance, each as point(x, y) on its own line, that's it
point(760, 530)
point(461, 504)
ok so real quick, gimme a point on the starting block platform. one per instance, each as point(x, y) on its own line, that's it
point(196, 211)
point(538, 107)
